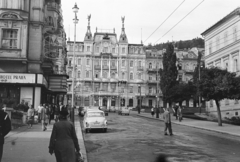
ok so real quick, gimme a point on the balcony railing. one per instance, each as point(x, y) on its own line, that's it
point(140, 67)
point(97, 67)
point(105, 67)
point(53, 6)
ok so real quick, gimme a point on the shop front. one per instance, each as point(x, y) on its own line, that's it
point(24, 88)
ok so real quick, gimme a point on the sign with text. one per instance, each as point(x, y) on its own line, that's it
point(17, 78)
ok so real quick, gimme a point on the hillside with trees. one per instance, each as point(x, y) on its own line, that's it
point(182, 44)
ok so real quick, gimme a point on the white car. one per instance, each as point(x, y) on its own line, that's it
point(124, 111)
point(94, 119)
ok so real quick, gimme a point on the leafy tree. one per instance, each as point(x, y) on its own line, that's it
point(182, 91)
point(217, 84)
point(168, 74)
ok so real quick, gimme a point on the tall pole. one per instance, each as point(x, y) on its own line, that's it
point(199, 98)
point(75, 10)
point(158, 97)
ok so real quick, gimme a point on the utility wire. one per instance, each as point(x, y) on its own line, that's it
point(164, 21)
point(179, 21)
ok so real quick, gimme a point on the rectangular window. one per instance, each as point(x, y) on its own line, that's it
point(131, 63)
point(105, 63)
point(88, 48)
point(210, 47)
point(113, 50)
point(235, 65)
point(123, 50)
point(79, 62)
point(88, 61)
point(139, 89)
point(131, 89)
point(235, 34)
point(97, 49)
point(139, 76)
point(123, 62)
point(79, 74)
point(123, 75)
point(150, 90)
point(105, 49)
point(87, 74)
point(122, 90)
point(9, 38)
point(217, 43)
point(150, 77)
point(225, 38)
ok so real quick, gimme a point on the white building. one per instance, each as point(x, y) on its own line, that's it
point(222, 45)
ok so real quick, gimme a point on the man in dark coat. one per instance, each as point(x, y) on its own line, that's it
point(5, 128)
point(63, 141)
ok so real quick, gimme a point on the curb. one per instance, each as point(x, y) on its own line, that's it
point(208, 129)
point(80, 137)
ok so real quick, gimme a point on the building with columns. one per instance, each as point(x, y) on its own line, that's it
point(32, 52)
point(222, 45)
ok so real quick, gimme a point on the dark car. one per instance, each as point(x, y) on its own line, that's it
point(104, 108)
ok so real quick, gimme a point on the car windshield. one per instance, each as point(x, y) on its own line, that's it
point(95, 114)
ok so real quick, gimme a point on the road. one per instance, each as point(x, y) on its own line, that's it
point(136, 139)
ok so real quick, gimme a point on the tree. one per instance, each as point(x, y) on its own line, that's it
point(168, 74)
point(217, 84)
point(182, 91)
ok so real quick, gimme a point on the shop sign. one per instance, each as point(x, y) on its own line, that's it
point(17, 78)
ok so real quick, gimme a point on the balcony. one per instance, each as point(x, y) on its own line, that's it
point(113, 67)
point(152, 70)
point(97, 67)
point(47, 65)
point(152, 82)
point(105, 67)
point(140, 68)
point(53, 6)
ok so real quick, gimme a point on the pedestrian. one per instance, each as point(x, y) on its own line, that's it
point(51, 113)
point(63, 141)
point(44, 117)
point(4, 107)
point(56, 113)
point(167, 121)
point(5, 128)
point(179, 113)
point(152, 111)
point(39, 112)
point(30, 116)
point(176, 109)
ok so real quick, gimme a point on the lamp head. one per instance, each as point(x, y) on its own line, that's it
point(75, 8)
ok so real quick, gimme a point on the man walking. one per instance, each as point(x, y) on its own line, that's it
point(5, 128)
point(39, 112)
point(167, 120)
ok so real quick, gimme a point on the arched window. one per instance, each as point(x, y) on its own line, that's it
point(79, 74)
point(130, 102)
point(150, 65)
point(87, 74)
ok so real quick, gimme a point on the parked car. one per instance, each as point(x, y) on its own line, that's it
point(104, 109)
point(112, 109)
point(124, 111)
point(94, 119)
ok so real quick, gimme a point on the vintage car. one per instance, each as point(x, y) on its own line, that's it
point(94, 119)
point(124, 111)
point(104, 109)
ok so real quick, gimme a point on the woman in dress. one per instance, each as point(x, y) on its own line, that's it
point(30, 116)
point(63, 141)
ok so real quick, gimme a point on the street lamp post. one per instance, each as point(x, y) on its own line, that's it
point(140, 104)
point(75, 21)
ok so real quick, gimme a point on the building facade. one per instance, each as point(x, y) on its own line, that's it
point(222, 45)
point(109, 70)
point(32, 52)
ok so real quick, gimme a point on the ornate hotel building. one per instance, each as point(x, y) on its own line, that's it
point(32, 52)
point(110, 71)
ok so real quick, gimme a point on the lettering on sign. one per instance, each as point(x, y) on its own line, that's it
point(17, 78)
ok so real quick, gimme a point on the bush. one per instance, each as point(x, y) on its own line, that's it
point(21, 107)
point(17, 115)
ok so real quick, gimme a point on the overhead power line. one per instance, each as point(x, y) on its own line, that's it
point(164, 21)
point(179, 21)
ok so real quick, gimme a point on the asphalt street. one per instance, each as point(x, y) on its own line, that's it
point(132, 138)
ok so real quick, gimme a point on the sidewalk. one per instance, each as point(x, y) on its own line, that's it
point(30, 145)
point(206, 125)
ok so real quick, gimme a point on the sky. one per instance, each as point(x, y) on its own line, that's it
point(143, 17)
